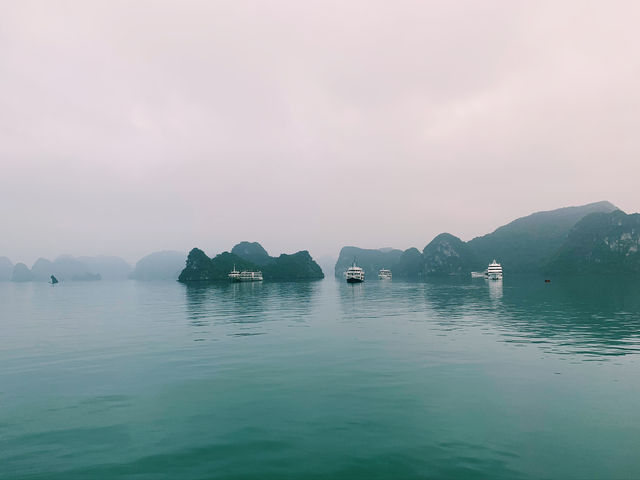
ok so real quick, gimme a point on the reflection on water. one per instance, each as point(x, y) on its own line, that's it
point(589, 316)
point(495, 289)
point(592, 316)
point(247, 303)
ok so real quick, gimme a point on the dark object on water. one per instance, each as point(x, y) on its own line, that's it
point(547, 281)
point(54, 280)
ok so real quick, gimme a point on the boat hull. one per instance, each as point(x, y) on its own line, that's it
point(354, 280)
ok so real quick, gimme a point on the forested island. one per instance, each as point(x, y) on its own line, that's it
point(249, 256)
point(593, 238)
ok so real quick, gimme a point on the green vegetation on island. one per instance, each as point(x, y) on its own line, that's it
point(600, 243)
point(526, 244)
point(252, 252)
point(298, 266)
point(447, 255)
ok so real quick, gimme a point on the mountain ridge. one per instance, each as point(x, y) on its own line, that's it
point(523, 245)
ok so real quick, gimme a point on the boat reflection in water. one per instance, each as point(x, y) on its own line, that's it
point(495, 290)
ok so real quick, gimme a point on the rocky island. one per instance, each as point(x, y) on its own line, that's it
point(601, 243)
point(249, 256)
point(592, 238)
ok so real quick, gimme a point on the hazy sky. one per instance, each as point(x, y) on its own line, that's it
point(133, 126)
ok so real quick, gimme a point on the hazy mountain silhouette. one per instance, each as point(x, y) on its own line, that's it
point(6, 269)
point(164, 265)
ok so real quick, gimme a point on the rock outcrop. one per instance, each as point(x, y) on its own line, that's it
point(600, 243)
point(42, 270)
point(21, 273)
point(409, 265)
point(252, 252)
point(447, 255)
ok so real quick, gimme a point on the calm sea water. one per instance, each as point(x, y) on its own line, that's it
point(450, 379)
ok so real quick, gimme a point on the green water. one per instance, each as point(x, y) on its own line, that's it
point(451, 379)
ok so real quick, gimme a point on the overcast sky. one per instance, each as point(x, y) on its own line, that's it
point(133, 126)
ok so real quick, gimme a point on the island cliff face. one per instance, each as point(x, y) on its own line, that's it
point(252, 252)
point(526, 244)
point(201, 268)
point(447, 255)
point(600, 243)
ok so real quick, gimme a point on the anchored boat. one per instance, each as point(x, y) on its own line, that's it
point(244, 276)
point(354, 274)
point(384, 274)
point(494, 272)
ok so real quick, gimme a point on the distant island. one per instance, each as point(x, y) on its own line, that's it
point(66, 268)
point(249, 256)
point(164, 265)
point(593, 238)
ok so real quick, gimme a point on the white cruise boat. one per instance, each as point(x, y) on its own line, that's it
point(354, 274)
point(384, 274)
point(494, 272)
point(245, 276)
point(250, 276)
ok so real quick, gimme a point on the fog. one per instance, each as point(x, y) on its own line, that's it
point(130, 127)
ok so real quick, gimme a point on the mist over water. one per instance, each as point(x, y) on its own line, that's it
point(452, 378)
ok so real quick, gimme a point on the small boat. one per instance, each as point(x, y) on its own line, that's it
point(354, 274)
point(54, 280)
point(384, 274)
point(494, 272)
point(478, 274)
